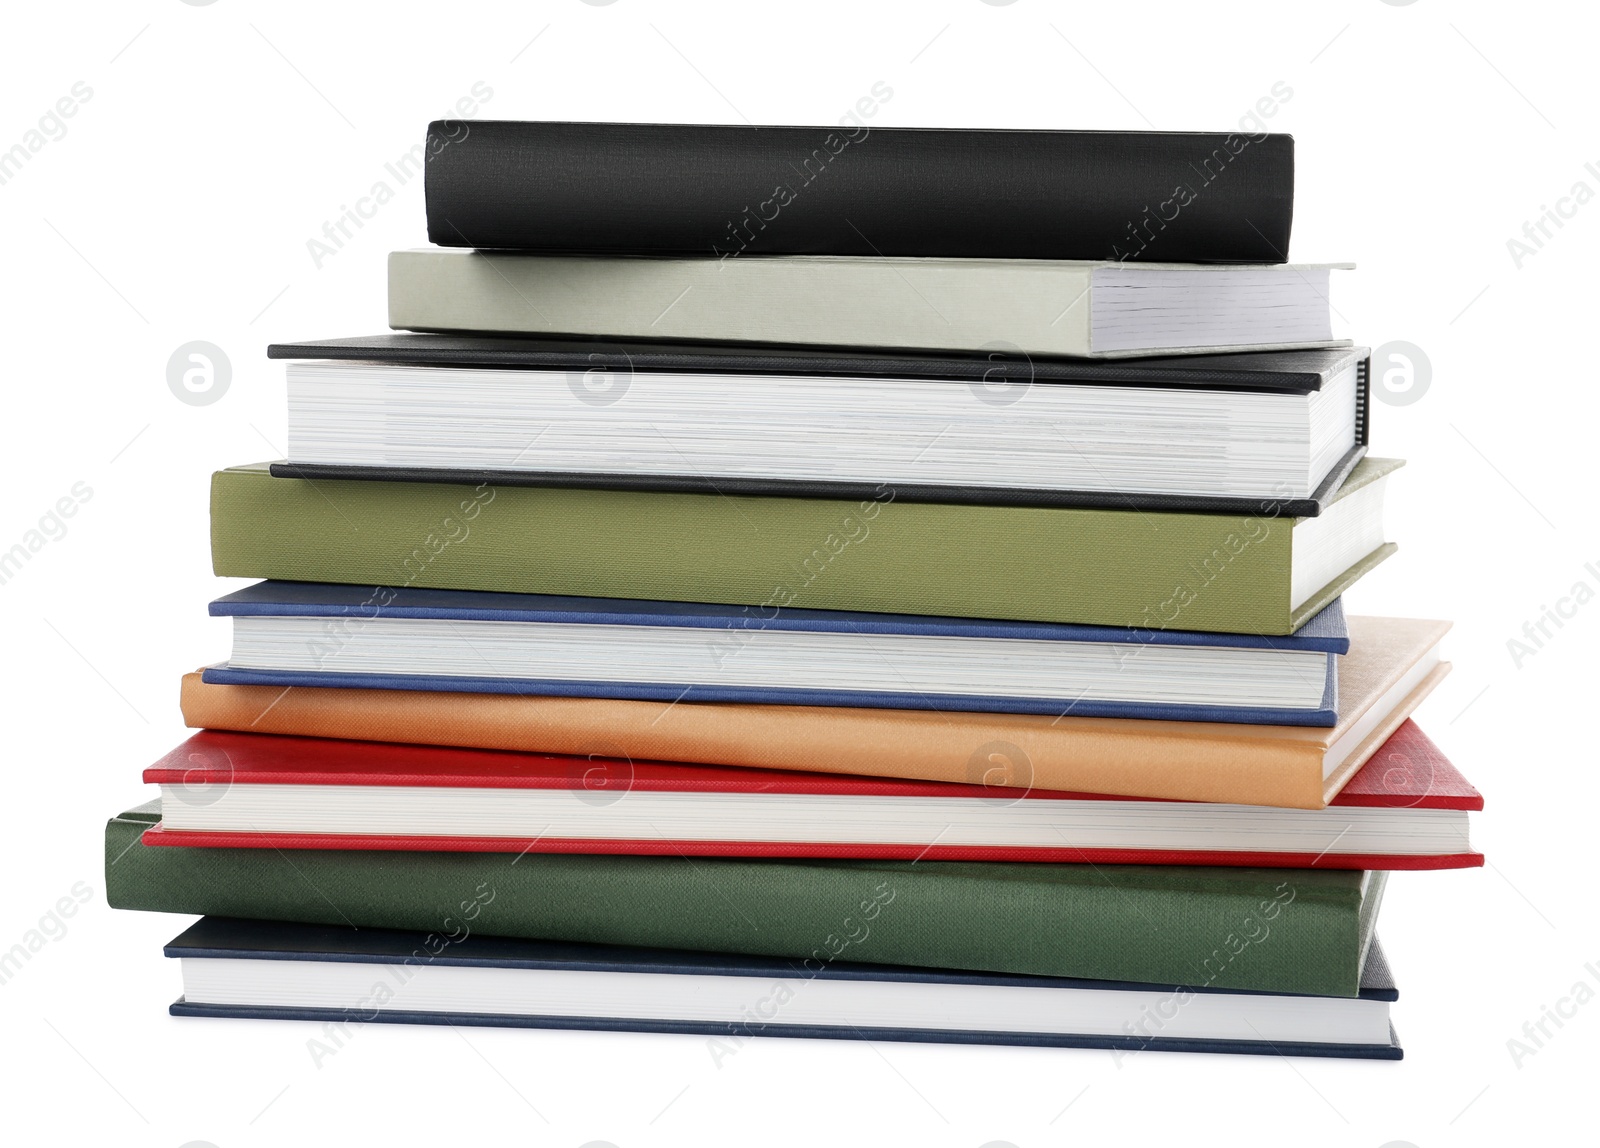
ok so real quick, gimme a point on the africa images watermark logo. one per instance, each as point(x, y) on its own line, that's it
point(198, 373)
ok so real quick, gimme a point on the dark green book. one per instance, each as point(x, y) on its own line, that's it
point(1271, 930)
point(1228, 573)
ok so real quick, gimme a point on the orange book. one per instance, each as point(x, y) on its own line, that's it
point(1392, 665)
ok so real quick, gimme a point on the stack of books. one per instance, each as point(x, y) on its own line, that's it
point(815, 583)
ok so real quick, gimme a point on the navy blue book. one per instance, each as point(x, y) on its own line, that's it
point(313, 634)
point(346, 977)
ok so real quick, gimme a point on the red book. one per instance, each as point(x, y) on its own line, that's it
point(1406, 809)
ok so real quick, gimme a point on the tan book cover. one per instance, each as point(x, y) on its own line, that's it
point(1392, 665)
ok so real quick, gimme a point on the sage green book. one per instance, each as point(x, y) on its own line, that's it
point(1246, 574)
point(1272, 930)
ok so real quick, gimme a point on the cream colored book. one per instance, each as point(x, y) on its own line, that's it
point(1004, 306)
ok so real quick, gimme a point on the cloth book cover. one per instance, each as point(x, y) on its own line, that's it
point(1110, 567)
point(1262, 929)
point(379, 975)
point(722, 662)
point(728, 190)
point(1405, 809)
point(1273, 372)
point(1105, 309)
point(1391, 667)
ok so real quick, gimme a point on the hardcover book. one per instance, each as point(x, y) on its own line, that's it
point(350, 977)
point(319, 634)
point(1028, 306)
point(1407, 808)
point(1263, 930)
point(1392, 665)
point(726, 191)
point(1219, 573)
point(1273, 433)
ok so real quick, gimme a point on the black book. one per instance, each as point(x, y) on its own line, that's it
point(726, 191)
point(1270, 433)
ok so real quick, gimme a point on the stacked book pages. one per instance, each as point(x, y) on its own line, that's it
point(802, 582)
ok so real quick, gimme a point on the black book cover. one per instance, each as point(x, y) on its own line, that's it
point(729, 191)
point(1296, 372)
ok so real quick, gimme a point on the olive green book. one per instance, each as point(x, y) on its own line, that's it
point(1247, 574)
point(1271, 930)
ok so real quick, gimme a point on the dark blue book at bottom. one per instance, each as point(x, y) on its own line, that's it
point(275, 971)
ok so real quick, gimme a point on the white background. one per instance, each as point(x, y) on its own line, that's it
point(219, 139)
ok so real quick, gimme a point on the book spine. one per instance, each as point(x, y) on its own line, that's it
point(1003, 752)
point(1275, 930)
point(826, 302)
point(1155, 571)
point(726, 192)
